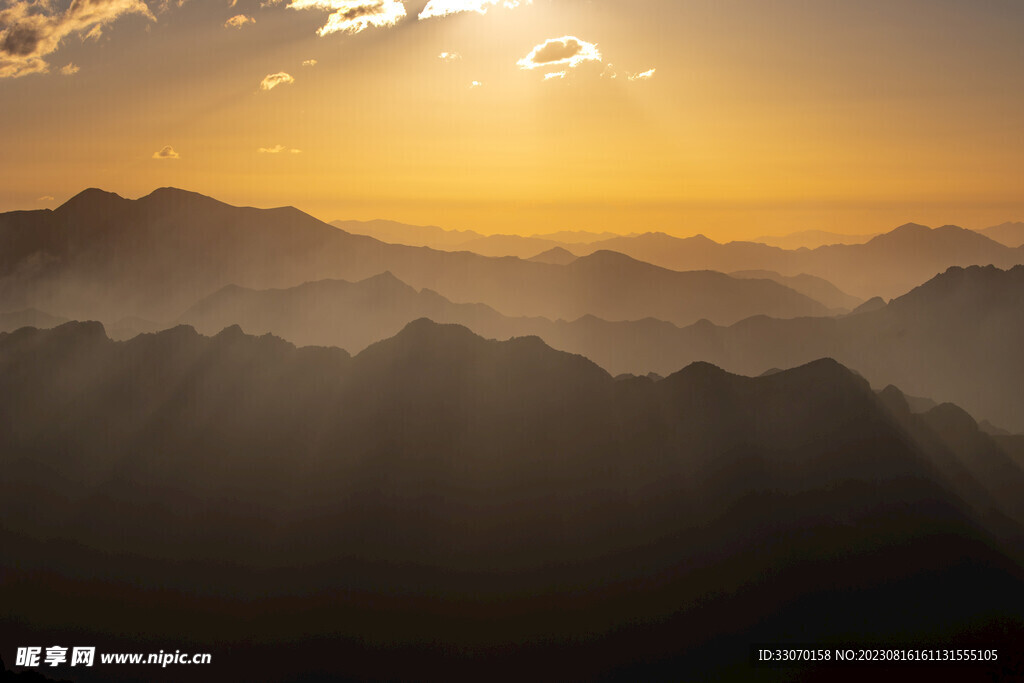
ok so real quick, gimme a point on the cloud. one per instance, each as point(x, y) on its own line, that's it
point(31, 30)
point(555, 75)
point(277, 149)
point(475, 84)
point(354, 16)
point(309, 62)
point(238, 21)
point(449, 57)
point(164, 5)
point(443, 8)
point(271, 81)
point(45, 198)
point(69, 69)
point(565, 51)
point(643, 76)
point(166, 153)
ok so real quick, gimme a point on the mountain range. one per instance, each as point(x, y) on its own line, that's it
point(955, 338)
point(811, 239)
point(463, 240)
point(103, 257)
point(444, 507)
point(885, 265)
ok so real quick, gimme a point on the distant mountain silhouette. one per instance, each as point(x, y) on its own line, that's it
point(816, 288)
point(29, 317)
point(467, 240)
point(103, 257)
point(863, 266)
point(445, 507)
point(393, 232)
point(339, 313)
point(811, 239)
point(953, 339)
point(872, 304)
point(888, 265)
point(1010, 234)
point(510, 245)
point(558, 256)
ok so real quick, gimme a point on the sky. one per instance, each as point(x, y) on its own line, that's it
point(730, 118)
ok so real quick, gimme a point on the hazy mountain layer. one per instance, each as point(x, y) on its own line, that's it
point(103, 257)
point(467, 240)
point(816, 288)
point(441, 507)
point(888, 265)
point(864, 266)
point(811, 239)
point(956, 338)
point(1011, 234)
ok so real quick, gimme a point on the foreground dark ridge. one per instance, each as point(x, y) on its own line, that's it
point(441, 506)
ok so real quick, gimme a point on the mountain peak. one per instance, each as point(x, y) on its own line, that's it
point(701, 238)
point(910, 228)
point(558, 256)
point(605, 257)
point(91, 199)
point(175, 197)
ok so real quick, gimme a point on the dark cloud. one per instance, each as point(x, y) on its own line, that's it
point(21, 40)
point(30, 30)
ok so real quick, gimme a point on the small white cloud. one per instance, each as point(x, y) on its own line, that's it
point(309, 62)
point(567, 51)
point(69, 69)
point(277, 149)
point(354, 16)
point(555, 75)
point(643, 76)
point(449, 57)
point(45, 198)
point(443, 8)
point(238, 21)
point(476, 84)
point(271, 81)
point(166, 153)
point(610, 72)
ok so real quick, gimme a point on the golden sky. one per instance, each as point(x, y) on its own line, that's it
point(724, 117)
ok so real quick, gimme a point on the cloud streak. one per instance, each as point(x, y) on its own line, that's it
point(444, 8)
point(354, 16)
point(278, 149)
point(271, 81)
point(31, 30)
point(643, 76)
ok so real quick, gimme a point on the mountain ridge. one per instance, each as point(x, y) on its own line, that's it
point(106, 257)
